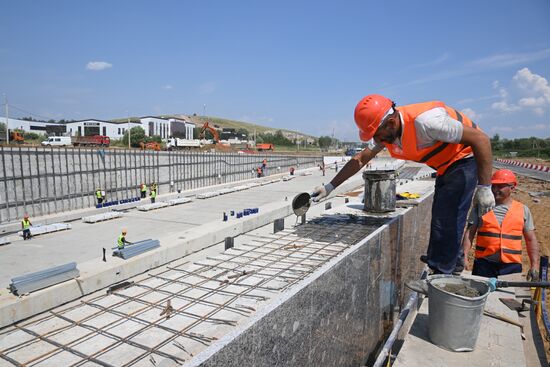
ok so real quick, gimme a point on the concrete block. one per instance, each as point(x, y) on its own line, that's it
point(179, 201)
point(153, 206)
point(101, 217)
point(4, 240)
point(48, 228)
point(207, 195)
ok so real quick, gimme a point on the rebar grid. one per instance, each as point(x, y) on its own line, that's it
point(286, 257)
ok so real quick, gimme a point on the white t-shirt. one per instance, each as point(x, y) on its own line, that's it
point(431, 126)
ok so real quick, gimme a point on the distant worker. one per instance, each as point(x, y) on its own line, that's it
point(100, 196)
point(143, 189)
point(259, 172)
point(121, 242)
point(498, 243)
point(154, 187)
point(264, 167)
point(292, 171)
point(26, 226)
point(153, 195)
point(442, 138)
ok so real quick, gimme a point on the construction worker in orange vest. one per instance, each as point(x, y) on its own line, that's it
point(498, 243)
point(442, 138)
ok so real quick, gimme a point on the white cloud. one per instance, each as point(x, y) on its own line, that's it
point(431, 63)
point(167, 87)
point(528, 91)
point(516, 127)
point(510, 59)
point(473, 115)
point(98, 65)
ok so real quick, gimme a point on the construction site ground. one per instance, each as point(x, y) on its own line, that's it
point(84, 242)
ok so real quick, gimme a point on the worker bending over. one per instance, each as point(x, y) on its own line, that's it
point(121, 242)
point(442, 138)
point(498, 243)
point(26, 226)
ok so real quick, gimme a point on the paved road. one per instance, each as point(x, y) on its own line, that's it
point(539, 175)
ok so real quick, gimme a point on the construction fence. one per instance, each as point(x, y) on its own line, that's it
point(42, 181)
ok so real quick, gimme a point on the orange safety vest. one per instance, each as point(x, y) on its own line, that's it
point(505, 239)
point(440, 155)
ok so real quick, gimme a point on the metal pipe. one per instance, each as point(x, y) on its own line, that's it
point(413, 298)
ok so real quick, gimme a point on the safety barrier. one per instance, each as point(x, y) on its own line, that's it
point(117, 202)
point(42, 279)
point(136, 248)
point(536, 167)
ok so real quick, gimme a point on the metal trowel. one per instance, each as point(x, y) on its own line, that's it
point(301, 204)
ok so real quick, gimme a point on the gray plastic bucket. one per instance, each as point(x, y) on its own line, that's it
point(379, 191)
point(454, 320)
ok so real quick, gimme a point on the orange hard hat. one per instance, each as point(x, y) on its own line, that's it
point(369, 113)
point(503, 176)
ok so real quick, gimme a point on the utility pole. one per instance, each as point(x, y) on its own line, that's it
point(128, 115)
point(7, 119)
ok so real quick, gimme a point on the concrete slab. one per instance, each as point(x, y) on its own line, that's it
point(85, 242)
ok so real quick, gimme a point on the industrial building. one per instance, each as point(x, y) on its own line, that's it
point(153, 126)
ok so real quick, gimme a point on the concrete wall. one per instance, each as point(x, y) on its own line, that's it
point(42, 181)
point(339, 316)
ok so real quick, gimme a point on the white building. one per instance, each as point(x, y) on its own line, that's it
point(38, 127)
point(114, 130)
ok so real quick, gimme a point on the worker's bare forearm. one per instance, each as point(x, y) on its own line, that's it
point(468, 239)
point(481, 145)
point(353, 166)
point(532, 248)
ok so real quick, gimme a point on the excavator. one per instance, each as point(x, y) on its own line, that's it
point(215, 137)
point(153, 145)
point(14, 136)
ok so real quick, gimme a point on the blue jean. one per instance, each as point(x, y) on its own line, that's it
point(490, 269)
point(452, 200)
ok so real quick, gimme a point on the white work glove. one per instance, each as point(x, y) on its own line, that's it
point(322, 192)
point(484, 199)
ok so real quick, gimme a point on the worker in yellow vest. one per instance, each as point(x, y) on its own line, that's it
point(26, 226)
point(153, 195)
point(121, 242)
point(499, 232)
point(143, 189)
point(444, 139)
point(99, 195)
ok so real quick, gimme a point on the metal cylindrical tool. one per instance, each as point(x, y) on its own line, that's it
point(379, 191)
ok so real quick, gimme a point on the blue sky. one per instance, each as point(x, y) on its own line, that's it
point(301, 65)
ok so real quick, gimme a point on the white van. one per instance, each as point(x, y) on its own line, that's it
point(57, 141)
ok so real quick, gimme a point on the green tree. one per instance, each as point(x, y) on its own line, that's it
point(137, 135)
point(325, 142)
